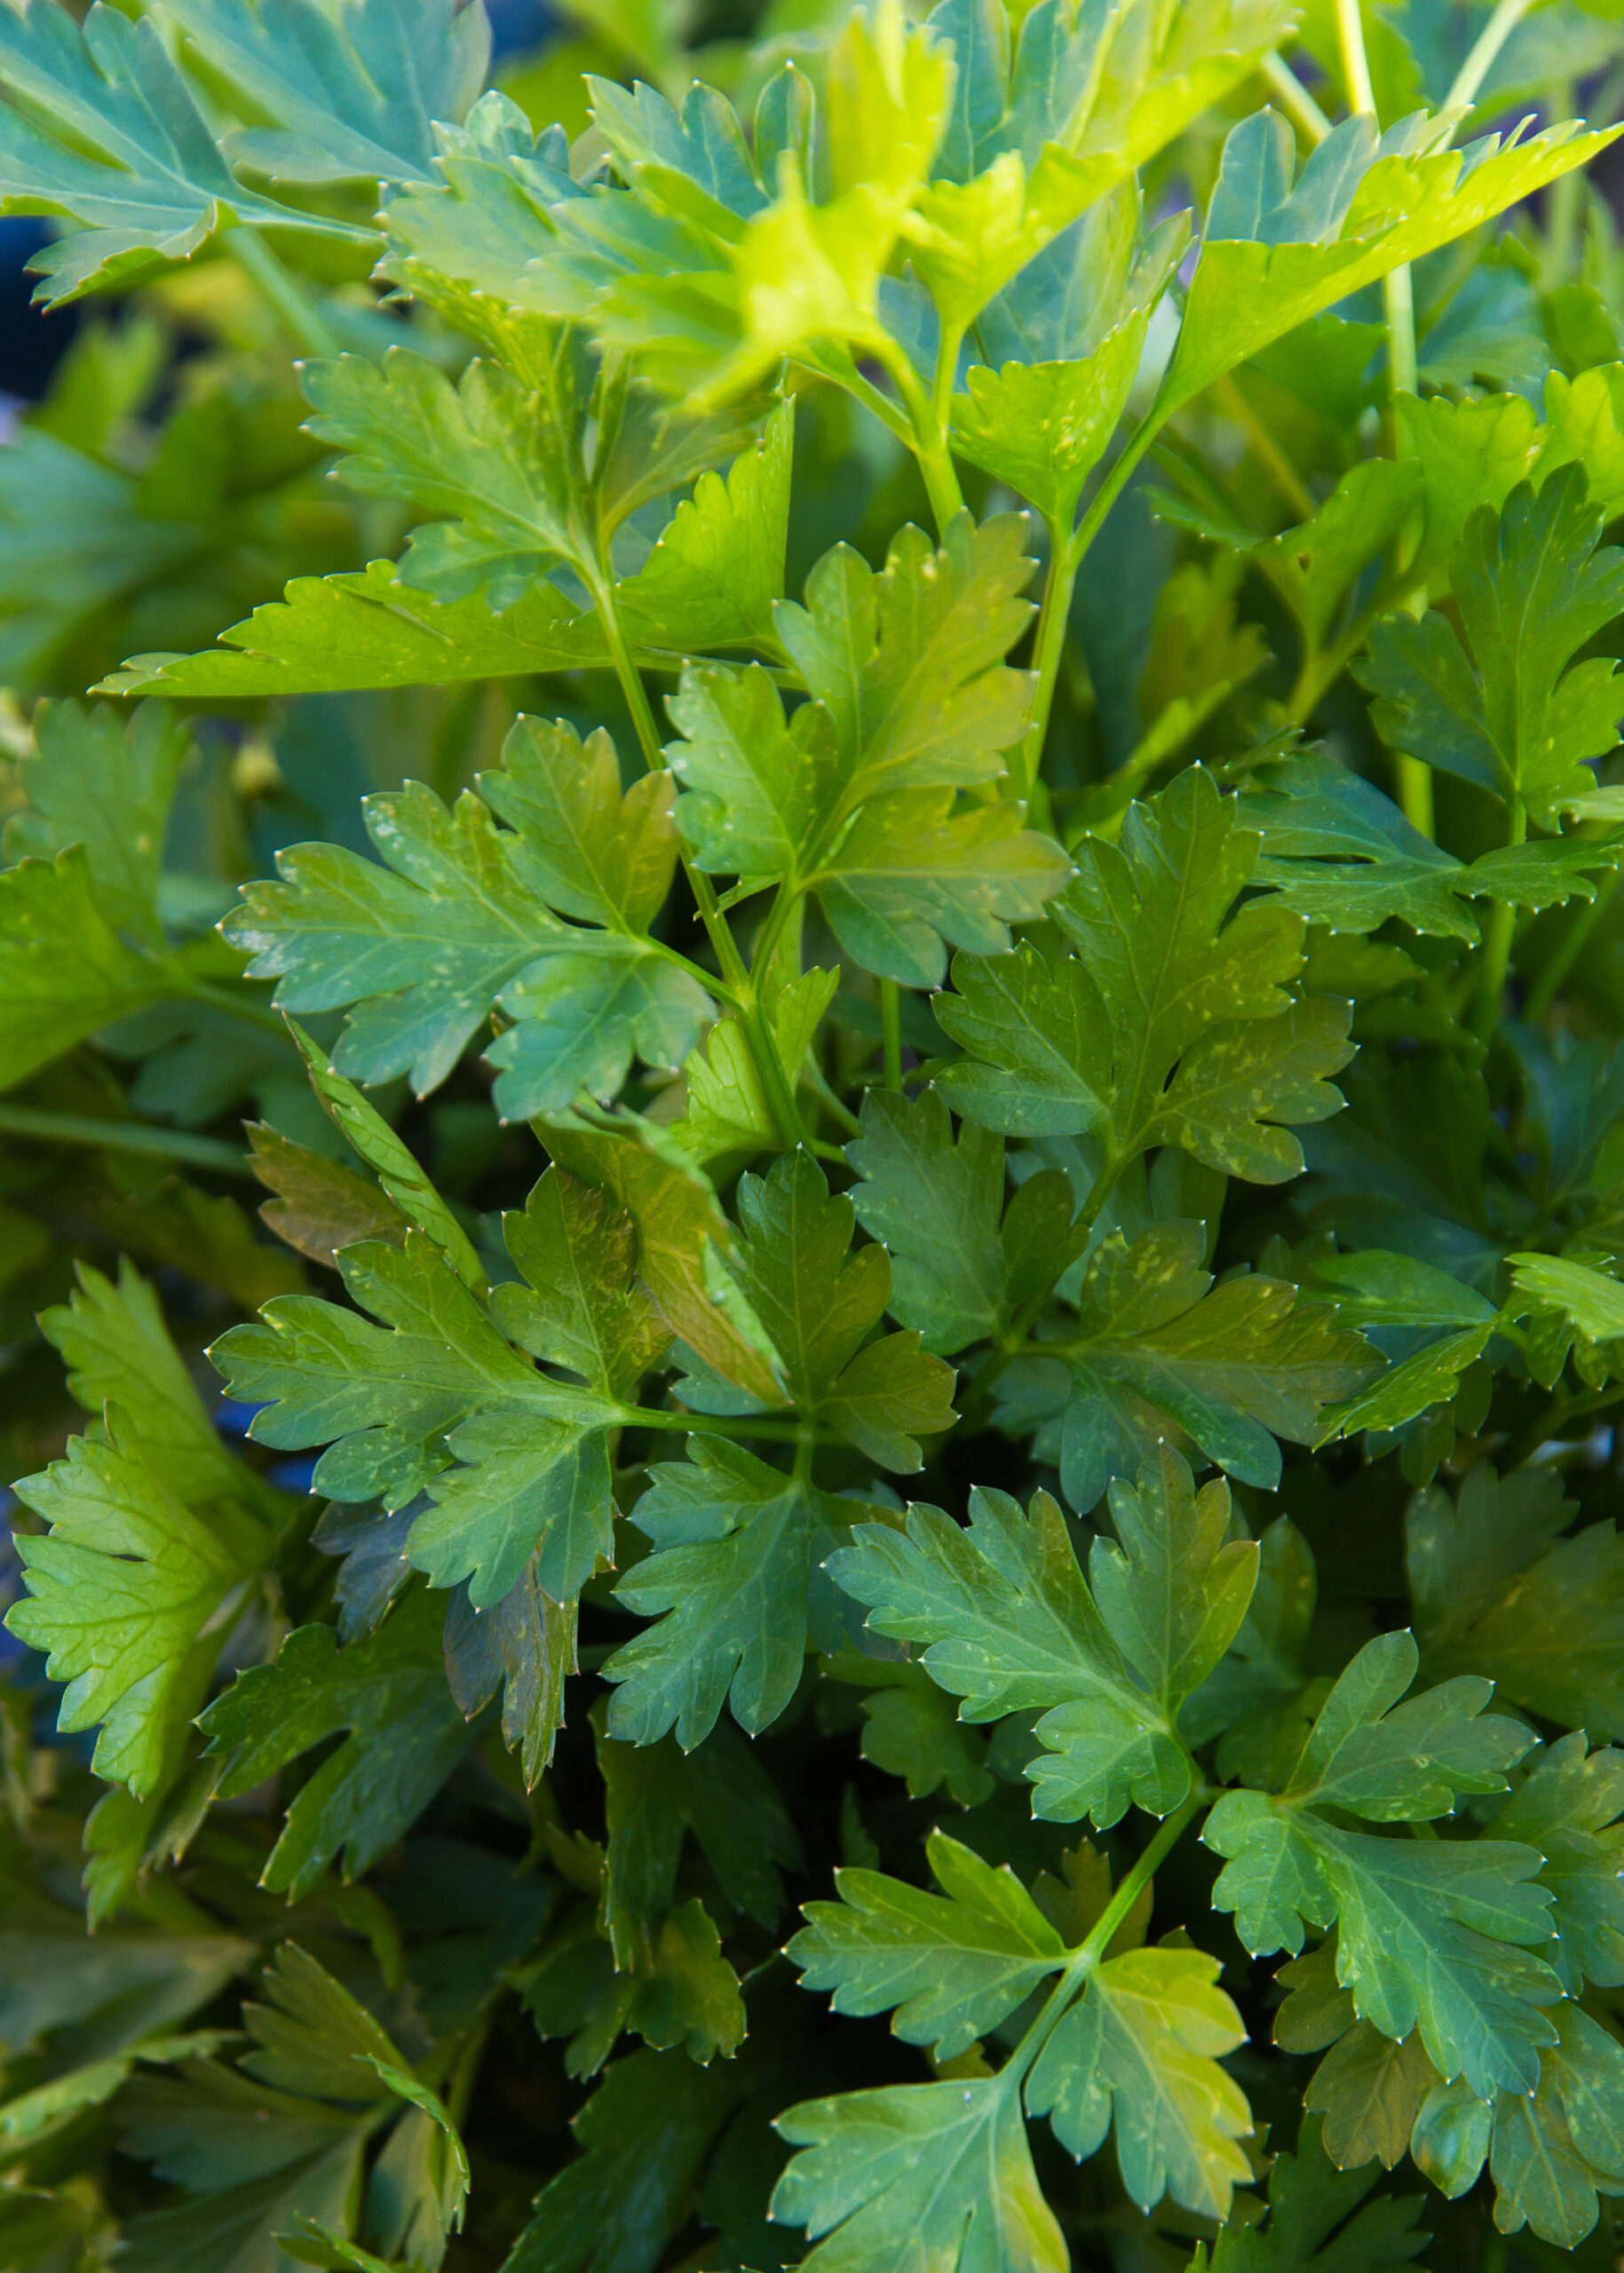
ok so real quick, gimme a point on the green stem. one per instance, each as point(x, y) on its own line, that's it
point(1127, 461)
point(739, 984)
point(891, 1024)
point(1567, 954)
point(851, 381)
point(1563, 203)
point(643, 720)
point(1100, 1934)
point(706, 1424)
point(1486, 46)
point(946, 371)
point(1355, 63)
point(708, 979)
point(466, 2073)
point(1562, 1410)
point(832, 1101)
point(777, 1079)
point(1399, 304)
point(1281, 471)
point(1412, 776)
point(1067, 550)
point(238, 1006)
point(928, 438)
point(1415, 794)
point(282, 293)
point(1048, 651)
point(1497, 943)
point(718, 929)
point(1294, 98)
point(1397, 294)
point(127, 1136)
point(1013, 1341)
point(776, 1082)
point(1321, 671)
point(626, 672)
point(1413, 782)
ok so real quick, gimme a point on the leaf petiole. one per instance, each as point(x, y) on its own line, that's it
point(282, 293)
point(1469, 78)
point(237, 1006)
point(127, 1136)
point(1047, 650)
point(1099, 1936)
point(1013, 1343)
point(1545, 989)
point(891, 1024)
point(930, 440)
point(1499, 935)
point(1293, 97)
point(706, 1424)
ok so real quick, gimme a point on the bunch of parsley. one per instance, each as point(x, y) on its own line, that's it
point(880, 785)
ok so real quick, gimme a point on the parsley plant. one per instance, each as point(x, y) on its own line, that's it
point(880, 785)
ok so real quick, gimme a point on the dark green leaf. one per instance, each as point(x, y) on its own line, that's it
point(739, 1546)
point(405, 1735)
point(1010, 1625)
point(1510, 710)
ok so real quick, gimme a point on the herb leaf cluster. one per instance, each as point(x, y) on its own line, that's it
point(873, 757)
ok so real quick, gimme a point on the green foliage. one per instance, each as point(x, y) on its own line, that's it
point(1532, 590)
point(782, 927)
point(1169, 1026)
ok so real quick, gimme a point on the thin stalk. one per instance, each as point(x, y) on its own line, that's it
point(706, 1424)
point(1294, 98)
point(466, 2073)
point(716, 929)
point(1126, 462)
point(1563, 201)
point(1067, 549)
point(832, 1102)
point(930, 440)
point(643, 721)
point(1544, 991)
point(777, 1080)
point(1355, 63)
point(648, 738)
point(1562, 1410)
point(238, 1006)
point(1100, 1934)
point(1497, 943)
point(708, 979)
point(739, 984)
point(946, 371)
point(1281, 471)
point(128, 1137)
point(1013, 1341)
point(1413, 782)
point(282, 293)
point(1321, 670)
point(1399, 304)
point(891, 1023)
point(1398, 293)
point(1048, 651)
point(851, 381)
point(1485, 47)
